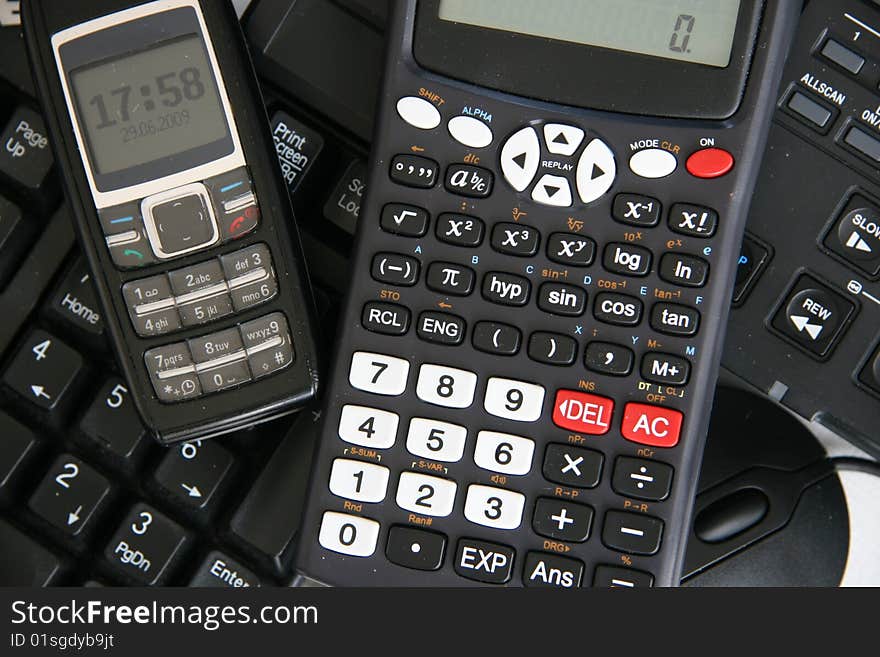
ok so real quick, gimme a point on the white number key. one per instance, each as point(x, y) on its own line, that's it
point(347, 534)
point(504, 453)
point(446, 386)
point(514, 400)
point(428, 496)
point(432, 439)
point(494, 507)
point(359, 481)
point(368, 427)
point(378, 373)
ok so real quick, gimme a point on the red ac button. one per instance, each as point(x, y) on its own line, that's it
point(651, 425)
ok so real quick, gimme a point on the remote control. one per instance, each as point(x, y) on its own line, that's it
point(159, 129)
point(541, 278)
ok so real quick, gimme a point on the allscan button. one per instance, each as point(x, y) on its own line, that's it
point(651, 425)
point(581, 412)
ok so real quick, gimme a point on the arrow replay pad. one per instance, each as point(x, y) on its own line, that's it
point(813, 315)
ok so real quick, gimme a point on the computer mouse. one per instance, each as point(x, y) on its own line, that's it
point(770, 510)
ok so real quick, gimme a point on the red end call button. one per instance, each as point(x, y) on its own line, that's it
point(709, 163)
point(651, 425)
point(578, 411)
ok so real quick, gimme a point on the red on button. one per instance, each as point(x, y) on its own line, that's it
point(709, 163)
point(651, 425)
point(578, 411)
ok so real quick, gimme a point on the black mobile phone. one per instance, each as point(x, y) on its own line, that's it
point(541, 280)
point(162, 138)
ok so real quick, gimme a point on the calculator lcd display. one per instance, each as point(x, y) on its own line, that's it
point(694, 31)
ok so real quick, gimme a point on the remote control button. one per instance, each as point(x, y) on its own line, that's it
point(130, 249)
point(378, 373)
point(552, 190)
point(395, 269)
point(665, 369)
point(172, 372)
point(44, 370)
point(347, 534)
point(515, 239)
point(551, 571)
point(436, 440)
point(513, 400)
point(572, 466)
point(617, 577)
point(631, 532)
point(651, 425)
point(216, 345)
point(418, 112)
point(414, 171)
point(504, 453)
point(483, 561)
point(415, 548)
point(406, 220)
point(147, 546)
point(368, 427)
point(70, 494)
point(641, 479)
point(569, 249)
point(608, 358)
point(460, 229)
point(653, 163)
point(684, 270)
point(752, 259)
point(582, 412)
point(856, 237)
point(449, 278)
point(709, 163)
point(468, 131)
point(219, 375)
point(425, 495)
point(693, 220)
point(468, 180)
point(843, 56)
point(506, 289)
point(121, 218)
point(494, 507)
point(562, 520)
point(870, 374)
point(618, 309)
point(496, 338)
point(562, 299)
point(552, 348)
point(358, 481)
point(627, 259)
point(562, 139)
point(385, 318)
point(446, 386)
point(180, 220)
point(596, 171)
point(636, 210)
point(520, 158)
point(813, 315)
point(151, 306)
point(440, 328)
point(674, 319)
point(864, 143)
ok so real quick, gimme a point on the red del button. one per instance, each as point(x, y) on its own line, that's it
point(578, 411)
point(709, 163)
point(651, 425)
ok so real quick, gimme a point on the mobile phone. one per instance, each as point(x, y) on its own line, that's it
point(162, 138)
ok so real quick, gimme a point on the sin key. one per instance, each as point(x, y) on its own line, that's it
point(70, 495)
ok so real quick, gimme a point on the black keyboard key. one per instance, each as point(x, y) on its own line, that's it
point(343, 206)
point(496, 338)
point(552, 348)
point(25, 158)
point(413, 171)
point(570, 249)
point(506, 289)
point(685, 270)
point(693, 220)
point(415, 548)
point(449, 278)
point(546, 570)
point(147, 546)
point(665, 369)
point(484, 561)
point(385, 318)
point(193, 474)
point(267, 521)
point(74, 300)
point(24, 562)
point(624, 578)
point(112, 424)
point(674, 319)
point(441, 328)
point(395, 269)
point(15, 234)
point(43, 370)
point(562, 520)
point(71, 495)
point(632, 532)
point(627, 259)
point(297, 147)
point(577, 467)
point(618, 309)
point(562, 299)
point(636, 210)
point(469, 180)
point(641, 478)
point(460, 229)
point(608, 358)
point(17, 446)
point(406, 220)
point(515, 239)
point(219, 570)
